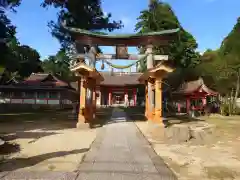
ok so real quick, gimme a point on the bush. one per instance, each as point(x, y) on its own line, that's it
point(237, 111)
point(224, 109)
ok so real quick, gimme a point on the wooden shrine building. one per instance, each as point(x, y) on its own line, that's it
point(120, 88)
point(192, 95)
point(39, 90)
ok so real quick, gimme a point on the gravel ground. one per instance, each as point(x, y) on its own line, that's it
point(45, 145)
point(219, 160)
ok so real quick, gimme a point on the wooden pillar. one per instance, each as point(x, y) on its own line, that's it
point(158, 100)
point(149, 51)
point(135, 96)
point(109, 97)
point(94, 100)
point(179, 107)
point(82, 102)
point(126, 102)
point(204, 101)
point(188, 104)
point(90, 105)
point(99, 97)
point(146, 99)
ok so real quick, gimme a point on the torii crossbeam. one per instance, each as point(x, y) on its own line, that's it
point(162, 38)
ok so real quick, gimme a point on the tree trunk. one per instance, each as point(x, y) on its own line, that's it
point(237, 89)
point(231, 103)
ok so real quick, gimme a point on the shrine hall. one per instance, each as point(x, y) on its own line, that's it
point(120, 89)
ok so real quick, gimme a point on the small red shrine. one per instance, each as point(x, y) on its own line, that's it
point(194, 93)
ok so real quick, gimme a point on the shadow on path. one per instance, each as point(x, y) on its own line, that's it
point(17, 163)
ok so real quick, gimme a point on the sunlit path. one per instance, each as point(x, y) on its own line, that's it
point(121, 152)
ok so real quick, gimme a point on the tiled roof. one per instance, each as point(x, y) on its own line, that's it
point(117, 79)
point(42, 79)
point(36, 77)
point(192, 86)
point(12, 81)
point(74, 85)
point(120, 79)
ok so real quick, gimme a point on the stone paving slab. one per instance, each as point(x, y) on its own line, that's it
point(122, 152)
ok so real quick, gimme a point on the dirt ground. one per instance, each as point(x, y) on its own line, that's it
point(43, 142)
point(219, 159)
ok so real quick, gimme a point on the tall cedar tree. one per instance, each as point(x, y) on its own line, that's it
point(160, 16)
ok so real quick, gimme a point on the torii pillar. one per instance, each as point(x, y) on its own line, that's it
point(150, 97)
point(155, 75)
point(89, 77)
point(158, 100)
point(146, 98)
point(82, 101)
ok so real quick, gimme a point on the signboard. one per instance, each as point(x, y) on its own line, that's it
point(122, 52)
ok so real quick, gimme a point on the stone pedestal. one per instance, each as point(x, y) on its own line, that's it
point(81, 125)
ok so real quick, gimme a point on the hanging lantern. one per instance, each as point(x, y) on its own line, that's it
point(102, 66)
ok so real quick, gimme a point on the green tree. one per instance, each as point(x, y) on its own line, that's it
point(21, 60)
point(58, 64)
point(28, 61)
point(161, 17)
point(7, 32)
point(223, 66)
point(84, 14)
point(230, 55)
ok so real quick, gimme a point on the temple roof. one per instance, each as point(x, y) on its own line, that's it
point(91, 38)
point(120, 79)
point(116, 79)
point(13, 80)
point(45, 79)
point(193, 86)
point(38, 81)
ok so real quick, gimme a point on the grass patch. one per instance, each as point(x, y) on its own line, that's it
point(226, 128)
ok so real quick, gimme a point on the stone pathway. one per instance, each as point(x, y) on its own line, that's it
point(120, 152)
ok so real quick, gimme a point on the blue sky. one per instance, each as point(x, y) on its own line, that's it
point(208, 20)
